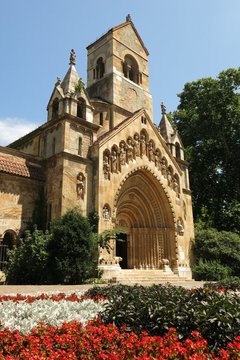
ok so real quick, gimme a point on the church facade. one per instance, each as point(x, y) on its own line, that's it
point(101, 151)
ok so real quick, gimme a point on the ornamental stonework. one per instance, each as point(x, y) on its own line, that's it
point(134, 147)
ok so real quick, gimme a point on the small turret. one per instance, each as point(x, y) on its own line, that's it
point(69, 96)
point(170, 135)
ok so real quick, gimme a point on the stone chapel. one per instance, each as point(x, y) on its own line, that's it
point(101, 151)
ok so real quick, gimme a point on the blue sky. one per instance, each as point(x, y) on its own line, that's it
point(186, 39)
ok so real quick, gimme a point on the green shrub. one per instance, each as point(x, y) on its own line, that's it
point(210, 271)
point(157, 308)
point(72, 249)
point(27, 263)
point(220, 247)
point(231, 284)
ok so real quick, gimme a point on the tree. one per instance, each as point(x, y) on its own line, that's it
point(27, 263)
point(72, 249)
point(217, 253)
point(208, 119)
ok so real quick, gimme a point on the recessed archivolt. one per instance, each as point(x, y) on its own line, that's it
point(155, 204)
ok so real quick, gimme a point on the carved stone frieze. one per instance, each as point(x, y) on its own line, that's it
point(138, 146)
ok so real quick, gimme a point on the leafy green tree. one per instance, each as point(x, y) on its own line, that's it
point(208, 119)
point(214, 247)
point(39, 212)
point(72, 249)
point(27, 263)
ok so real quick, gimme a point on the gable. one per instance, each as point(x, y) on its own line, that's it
point(128, 35)
point(137, 132)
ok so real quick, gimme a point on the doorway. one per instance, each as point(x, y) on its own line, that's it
point(121, 249)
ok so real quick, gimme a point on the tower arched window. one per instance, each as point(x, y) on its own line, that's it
point(130, 69)
point(80, 143)
point(53, 146)
point(55, 109)
point(100, 68)
point(101, 118)
point(178, 151)
point(81, 108)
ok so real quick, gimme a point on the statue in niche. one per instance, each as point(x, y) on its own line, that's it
point(157, 159)
point(136, 146)
point(176, 186)
point(80, 185)
point(164, 167)
point(169, 178)
point(122, 154)
point(106, 167)
point(129, 150)
point(106, 212)
point(114, 161)
point(151, 156)
point(180, 227)
point(143, 145)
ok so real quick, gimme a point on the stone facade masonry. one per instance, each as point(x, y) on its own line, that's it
point(100, 151)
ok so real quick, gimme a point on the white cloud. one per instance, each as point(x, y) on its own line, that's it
point(12, 129)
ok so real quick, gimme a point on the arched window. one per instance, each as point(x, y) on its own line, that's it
point(55, 109)
point(178, 151)
point(9, 239)
point(101, 118)
point(81, 108)
point(80, 146)
point(100, 68)
point(53, 146)
point(130, 69)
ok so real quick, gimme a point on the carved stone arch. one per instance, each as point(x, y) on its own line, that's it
point(9, 238)
point(143, 203)
point(155, 174)
point(144, 132)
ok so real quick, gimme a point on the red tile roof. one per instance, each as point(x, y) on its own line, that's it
point(21, 168)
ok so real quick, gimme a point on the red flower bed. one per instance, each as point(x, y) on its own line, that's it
point(97, 342)
point(53, 297)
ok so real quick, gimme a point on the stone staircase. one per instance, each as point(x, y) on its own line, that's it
point(146, 277)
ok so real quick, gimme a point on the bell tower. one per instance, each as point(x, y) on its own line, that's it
point(118, 71)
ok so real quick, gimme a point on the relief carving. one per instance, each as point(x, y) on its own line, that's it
point(106, 212)
point(129, 150)
point(106, 167)
point(138, 147)
point(114, 161)
point(151, 155)
point(122, 153)
point(80, 185)
point(180, 227)
point(143, 145)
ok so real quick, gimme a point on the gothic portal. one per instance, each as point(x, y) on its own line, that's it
point(101, 151)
